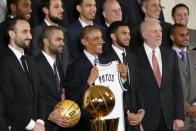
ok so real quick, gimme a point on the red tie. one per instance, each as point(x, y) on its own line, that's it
point(156, 70)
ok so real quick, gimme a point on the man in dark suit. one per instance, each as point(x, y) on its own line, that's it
point(87, 10)
point(51, 77)
point(159, 79)
point(151, 10)
point(15, 8)
point(3, 124)
point(53, 15)
point(132, 98)
point(19, 81)
point(83, 72)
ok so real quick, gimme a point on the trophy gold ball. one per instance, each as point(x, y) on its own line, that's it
point(99, 101)
point(71, 110)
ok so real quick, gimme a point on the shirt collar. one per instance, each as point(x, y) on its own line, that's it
point(48, 23)
point(83, 23)
point(149, 50)
point(50, 60)
point(16, 52)
point(119, 52)
point(178, 50)
point(90, 57)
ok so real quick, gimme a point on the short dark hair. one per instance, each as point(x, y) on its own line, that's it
point(12, 24)
point(178, 6)
point(79, 2)
point(45, 3)
point(114, 26)
point(174, 27)
point(47, 32)
point(84, 32)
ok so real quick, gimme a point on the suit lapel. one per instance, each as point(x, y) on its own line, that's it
point(146, 63)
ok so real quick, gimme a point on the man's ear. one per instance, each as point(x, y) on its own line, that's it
point(171, 37)
point(113, 36)
point(45, 10)
point(11, 34)
point(84, 42)
point(13, 7)
point(78, 8)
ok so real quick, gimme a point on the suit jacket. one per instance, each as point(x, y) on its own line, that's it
point(192, 38)
point(188, 77)
point(77, 84)
point(137, 39)
point(50, 95)
point(3, 124)
point(74, 36)
point(64, 58)
point(19, 93)
point(166, 100)
point(132, 98)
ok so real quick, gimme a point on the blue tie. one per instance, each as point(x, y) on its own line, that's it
point(183, 56)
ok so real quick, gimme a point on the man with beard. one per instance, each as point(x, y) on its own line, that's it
point(15, 8)
point(131, 98)
point(53, 10)
point(51, 77)
point(19, 80)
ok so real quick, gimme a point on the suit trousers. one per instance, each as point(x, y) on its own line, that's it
point(162, 125)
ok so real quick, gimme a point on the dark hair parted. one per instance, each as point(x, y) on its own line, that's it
point(114, 26)
point(179, 6)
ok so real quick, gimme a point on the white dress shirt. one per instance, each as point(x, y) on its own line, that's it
point(148, 51)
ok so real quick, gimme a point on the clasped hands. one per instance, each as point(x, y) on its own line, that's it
point(135, 118)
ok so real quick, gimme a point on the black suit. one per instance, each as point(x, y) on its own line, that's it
point(132, 98)
point(165, 103)
point(36, 47)
point(50, 94)
point(19, 93)
point(77, 84)
point(3, 124)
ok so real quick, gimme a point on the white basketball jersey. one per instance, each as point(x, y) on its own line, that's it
point(109, 76)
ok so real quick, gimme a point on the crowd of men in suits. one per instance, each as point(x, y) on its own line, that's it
point(49, 50)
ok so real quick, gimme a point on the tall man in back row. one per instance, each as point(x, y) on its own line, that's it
point(159, 79)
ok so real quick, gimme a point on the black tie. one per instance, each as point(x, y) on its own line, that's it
point(24, 65)
point(124, 58)
point(56, 77)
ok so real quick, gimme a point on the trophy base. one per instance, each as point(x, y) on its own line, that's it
point(104, 125)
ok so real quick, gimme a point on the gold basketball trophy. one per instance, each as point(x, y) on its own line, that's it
point(99, 101)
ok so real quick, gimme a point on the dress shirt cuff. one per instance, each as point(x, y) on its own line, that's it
point(31, 125)
point(40, 121)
